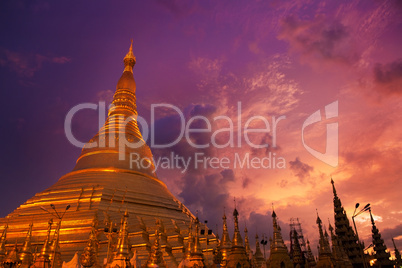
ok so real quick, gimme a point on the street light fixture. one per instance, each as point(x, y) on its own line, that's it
point(366, 207)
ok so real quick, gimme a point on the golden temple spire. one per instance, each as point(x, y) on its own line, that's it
point(247, 243)
point(89, 257)
point(44, 253)
point(55, 255)
point(225, 243)
point(238, 254)
point(12, 256)
point(190, 242)
point(121, 257)
point(3, 243)
point(194, 256)
point(155, 257)
point(129, 59)
point(277, 242)
point(26, 255)
point(122, 243)
point(120, 136)
point(197, 246)
point(237, 240)
point(279, 252)
point(258, 256)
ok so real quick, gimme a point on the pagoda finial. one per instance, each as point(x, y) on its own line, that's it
point(129, 59)
point(371, 217)
point(318, 218)
point(333, 187)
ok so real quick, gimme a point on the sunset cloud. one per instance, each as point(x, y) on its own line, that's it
point(388, 77)
point(26, 64)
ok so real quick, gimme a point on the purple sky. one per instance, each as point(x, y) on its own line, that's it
point(277, 58)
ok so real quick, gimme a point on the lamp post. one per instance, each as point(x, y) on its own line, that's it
point(57, 215)
point(366, 207)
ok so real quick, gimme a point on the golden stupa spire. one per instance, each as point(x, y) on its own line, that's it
point(55, 255)
point(190, 242)
point(122, 243)
point(155, 257)
point(44, 253)
point(277, 242)
point(238, 254)
point(3, 243)
point(121, 257)
point(237, 240)
point(12, 257)
point(258, 258)
point(120, 136)
point(193, 256)
point(225, 243)
point(197, 246)
point(26, 255)
point(129, 59)
point(247, 243)
point(279, 251)
point(89, 257)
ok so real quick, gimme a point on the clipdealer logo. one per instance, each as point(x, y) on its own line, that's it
point(330, 156)
point(238, 133)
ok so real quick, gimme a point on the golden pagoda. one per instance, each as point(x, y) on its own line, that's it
point(238, 256)
point(103, 183)
point(225, 243)
point(247, 244)
point(278, 256)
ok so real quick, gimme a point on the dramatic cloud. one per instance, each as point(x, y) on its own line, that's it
point(319, 39)
point(388, 77)
point(300, 169)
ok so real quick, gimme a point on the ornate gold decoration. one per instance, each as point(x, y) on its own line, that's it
point(26, 255)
